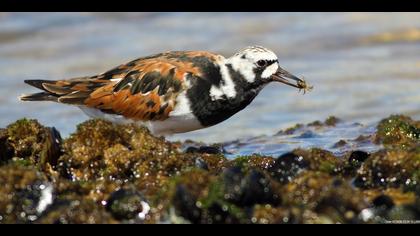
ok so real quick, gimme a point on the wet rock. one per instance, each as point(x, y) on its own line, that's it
point(358, 157)
point(398, 130)
point(200, 163)
point(386, 206)
point(211, 162)
point(390, 168)
point(267, 214)
point(325, 195)
point(205, 149)
point(355, 159)
point(397, 196)
point(332, 121)
point(217, 209)
point(123, 153)
point(287, 166)
point(363, 139)
point(320, 160)
point(128, 204)
point(186, 204)
point(316, 123)
point(28, 140)
point(255, 161)
point(204, 198)
point(308, 134)
point(402, 215)
point(97, 191)
point(340, 143)
point(246, 189)
point(383, 201)
point(24, 195)
point(102, 149)
point(186, 193)
point(290, 130)
point(6, 151)
point(76, 211)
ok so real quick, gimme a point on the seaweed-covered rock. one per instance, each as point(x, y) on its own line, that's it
point(102, 149)
point(290, 130)
point(76, 211)
point(408, 213)
point(398, 130)
point(318, 160)
point(28, 140)
point(287, 166)
point(6, 150)
point(201, 197)
point(128, 204)
point(325, 195)
point(330, 121)
point(247, 189)
point(95, 190)
point(355, 159)
point(386, 212)
point(397, 196)
point(184, 194)
point(390, 168)
point(267, 214)
point(215, 149)
point(255, 161)
point(109, 173)
point(25, 193)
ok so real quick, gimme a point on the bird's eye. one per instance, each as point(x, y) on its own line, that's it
point(262, 63)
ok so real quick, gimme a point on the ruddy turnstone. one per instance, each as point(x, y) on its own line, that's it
point(171, 92)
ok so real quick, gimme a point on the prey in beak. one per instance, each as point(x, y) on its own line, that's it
point(285, 77)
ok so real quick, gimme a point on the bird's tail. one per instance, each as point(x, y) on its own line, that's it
point(41, 96)
point(73, 91)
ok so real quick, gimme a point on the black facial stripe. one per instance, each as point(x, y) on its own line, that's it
point(270, 62)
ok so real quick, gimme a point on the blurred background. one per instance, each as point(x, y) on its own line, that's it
point(364, 66)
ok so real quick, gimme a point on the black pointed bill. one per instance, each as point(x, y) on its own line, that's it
point(285, 77)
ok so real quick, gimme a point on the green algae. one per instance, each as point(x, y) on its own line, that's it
point(76, 211)
point(18, 195)
point(398, 130)
point(107, 173)
point(390, 168)
point(319, 159)
point(254, 161)
point(29, 140)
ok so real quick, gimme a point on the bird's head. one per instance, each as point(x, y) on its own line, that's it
point(260, 65)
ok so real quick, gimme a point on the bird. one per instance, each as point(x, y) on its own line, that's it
point(171, 92)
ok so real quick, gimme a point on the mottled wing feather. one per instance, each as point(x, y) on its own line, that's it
point(138, 106)
point(144, 89)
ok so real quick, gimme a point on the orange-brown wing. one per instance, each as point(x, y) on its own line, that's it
point(148, 90)
point(143, 89)
point(139, 96)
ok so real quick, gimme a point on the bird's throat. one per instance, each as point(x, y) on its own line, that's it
point(210, 109)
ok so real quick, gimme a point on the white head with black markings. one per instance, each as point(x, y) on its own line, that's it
point(257, 63)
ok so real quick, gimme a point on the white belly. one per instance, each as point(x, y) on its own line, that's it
point(177, 123)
